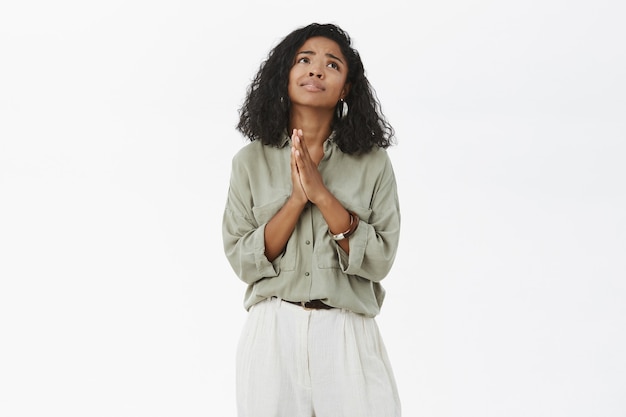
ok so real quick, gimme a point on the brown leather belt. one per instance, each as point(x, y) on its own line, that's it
point(312, 305)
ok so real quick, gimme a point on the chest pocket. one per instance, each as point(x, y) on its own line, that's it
point(262, 215)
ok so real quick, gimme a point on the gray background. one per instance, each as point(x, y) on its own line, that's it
point(508, 296)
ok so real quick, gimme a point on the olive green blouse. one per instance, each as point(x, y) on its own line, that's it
point(313, 266)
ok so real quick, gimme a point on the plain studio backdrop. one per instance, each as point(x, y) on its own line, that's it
point(508, 295)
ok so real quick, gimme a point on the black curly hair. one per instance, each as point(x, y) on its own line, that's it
point(264, 114)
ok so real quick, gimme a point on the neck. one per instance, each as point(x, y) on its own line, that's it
point(315, 125)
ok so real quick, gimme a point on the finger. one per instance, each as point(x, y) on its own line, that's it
point(302, 142)
point(296, 147)
point(296, 141)
point(294, 162)
point(301, 148)
point(300, 164)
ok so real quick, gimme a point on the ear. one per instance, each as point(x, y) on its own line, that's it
point(345, 91)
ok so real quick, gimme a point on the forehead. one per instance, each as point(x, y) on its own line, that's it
point(322, 45)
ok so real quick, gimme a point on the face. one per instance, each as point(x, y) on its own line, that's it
point(318, 75)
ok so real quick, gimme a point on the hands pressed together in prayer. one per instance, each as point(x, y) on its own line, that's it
point(308, 184)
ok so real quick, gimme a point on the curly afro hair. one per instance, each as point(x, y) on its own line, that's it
point(264, 115)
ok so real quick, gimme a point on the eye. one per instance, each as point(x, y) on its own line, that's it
point(303, 60)
point(333, 65)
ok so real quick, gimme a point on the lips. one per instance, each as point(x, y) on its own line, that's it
point(313, 85)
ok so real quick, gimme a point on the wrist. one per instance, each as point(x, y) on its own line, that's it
point(297, 202)
point(354, 223)
point(323, 200)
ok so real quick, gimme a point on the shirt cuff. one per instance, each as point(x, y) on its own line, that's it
point(265, 268)
point(351, 263)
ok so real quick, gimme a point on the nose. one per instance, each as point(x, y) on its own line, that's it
point(315, 71)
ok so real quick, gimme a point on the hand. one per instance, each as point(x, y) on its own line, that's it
point(309, 176)
point(297, 192)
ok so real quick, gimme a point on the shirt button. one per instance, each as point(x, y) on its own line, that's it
point(308, 242)
point(306, 274)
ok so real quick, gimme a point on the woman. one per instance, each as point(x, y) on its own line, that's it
point(311, 225)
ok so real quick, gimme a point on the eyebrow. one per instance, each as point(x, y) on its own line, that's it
point(313, 53)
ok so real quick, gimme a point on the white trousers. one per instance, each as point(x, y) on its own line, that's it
point(294, 362)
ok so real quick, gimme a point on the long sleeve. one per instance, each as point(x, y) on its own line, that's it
point(243, 236)
point(374, 244)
